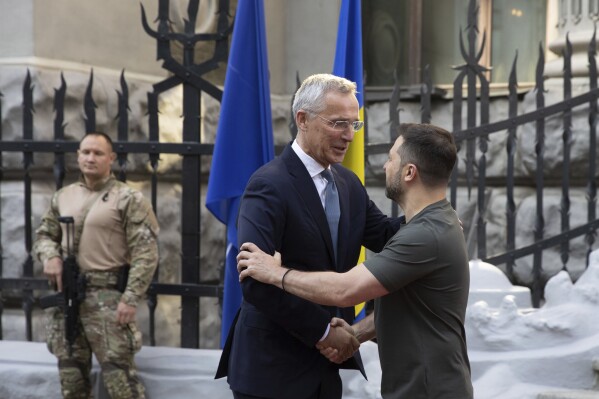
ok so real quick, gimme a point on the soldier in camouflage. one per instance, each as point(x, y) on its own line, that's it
point(119, 229)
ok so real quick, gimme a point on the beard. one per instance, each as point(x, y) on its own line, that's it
point(395, 189)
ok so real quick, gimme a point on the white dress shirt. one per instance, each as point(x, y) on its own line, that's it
point(314, 169)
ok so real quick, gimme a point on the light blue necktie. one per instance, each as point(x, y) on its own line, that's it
point(331, 207)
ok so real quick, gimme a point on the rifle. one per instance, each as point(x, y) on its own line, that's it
point(73, 289)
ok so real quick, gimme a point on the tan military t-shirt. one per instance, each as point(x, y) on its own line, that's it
point(102, 244)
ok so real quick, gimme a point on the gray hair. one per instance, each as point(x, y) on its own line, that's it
point(310, 96)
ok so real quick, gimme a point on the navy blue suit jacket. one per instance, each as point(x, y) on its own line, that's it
point(270, 351)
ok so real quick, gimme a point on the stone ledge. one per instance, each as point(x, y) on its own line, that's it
point(578, 394)
point(29, 371)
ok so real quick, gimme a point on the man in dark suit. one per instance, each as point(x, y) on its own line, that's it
point(273, 348)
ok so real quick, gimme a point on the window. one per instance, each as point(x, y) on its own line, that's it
point(512, 22)
point(406, 35)
point(385, 37)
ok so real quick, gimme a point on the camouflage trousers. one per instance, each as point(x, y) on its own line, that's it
point(99, 333)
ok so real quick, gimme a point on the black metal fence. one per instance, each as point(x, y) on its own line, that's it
point(472, 135)
point(472, 141)
point(470, 173)
point(183, 72)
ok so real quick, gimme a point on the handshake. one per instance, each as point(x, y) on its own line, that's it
point(341, 342)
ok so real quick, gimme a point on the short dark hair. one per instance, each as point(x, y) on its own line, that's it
point(101, 134)
point(429, 147)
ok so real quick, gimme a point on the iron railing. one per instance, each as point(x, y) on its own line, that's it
point(189, 75)
point(471, 77)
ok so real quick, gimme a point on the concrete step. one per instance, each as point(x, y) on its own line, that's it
point(576, 394)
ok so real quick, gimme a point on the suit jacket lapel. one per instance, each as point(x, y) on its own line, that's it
point(307, 191)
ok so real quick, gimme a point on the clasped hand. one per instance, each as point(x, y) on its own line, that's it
point(340, 344)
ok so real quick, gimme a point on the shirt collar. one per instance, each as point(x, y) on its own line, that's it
point(313, 167)
point(100, 185)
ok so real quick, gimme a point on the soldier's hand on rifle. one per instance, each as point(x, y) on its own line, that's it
point(125, 313)
point(53, 270)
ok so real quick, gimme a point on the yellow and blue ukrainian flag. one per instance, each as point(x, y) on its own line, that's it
point(244, 137)
point(348, 64)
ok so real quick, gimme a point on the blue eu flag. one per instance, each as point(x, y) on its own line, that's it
point(244, 138)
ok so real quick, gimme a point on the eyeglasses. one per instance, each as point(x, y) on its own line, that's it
point(342, 126)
